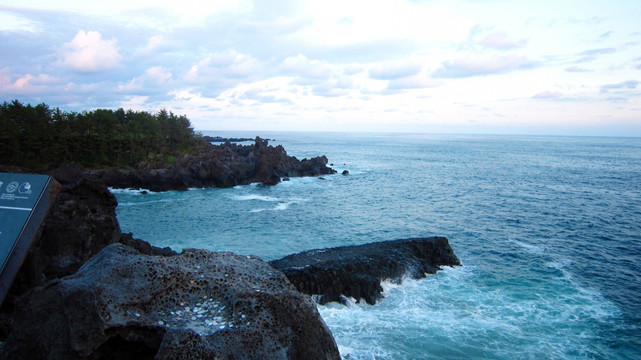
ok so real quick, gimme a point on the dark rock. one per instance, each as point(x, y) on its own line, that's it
point(195, 305)
point(357, 271)
point(81, 222)
point(345, 172)
point(67, 174)
point(224, 165)
point(144, 247)
point(224, 139)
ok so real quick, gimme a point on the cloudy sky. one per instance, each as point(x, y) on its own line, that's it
point(468, 66)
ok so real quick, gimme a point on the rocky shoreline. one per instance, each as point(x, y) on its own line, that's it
point(224, 165)
point(88, 291)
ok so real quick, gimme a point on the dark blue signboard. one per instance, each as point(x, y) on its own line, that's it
point(24, 202)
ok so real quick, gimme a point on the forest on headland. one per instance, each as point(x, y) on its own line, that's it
point(39, 137)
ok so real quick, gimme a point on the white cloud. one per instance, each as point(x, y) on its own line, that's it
point(13, 22)
point(305, 69)
point(547, 95)
point(391, 71)
point(153, 43)
point(487, 37)
point(27, 84)
point(500, 40)
point(224, 66)
point(154, 76)
point(88, 52)
point(414, 82)
point(475, 65)
point(136, 103)
point(629, 84)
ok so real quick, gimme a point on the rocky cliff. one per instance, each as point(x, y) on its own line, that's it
point(224, 165)
point(357, 271)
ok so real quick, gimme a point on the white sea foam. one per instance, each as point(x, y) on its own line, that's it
point(279, 207)
point(250, 197)
point(532, 249)
point(132, 191)
point(453, 314)
point(143, 203)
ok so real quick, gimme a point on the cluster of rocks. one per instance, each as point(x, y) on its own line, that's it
point(225, 165)
point(88, 291)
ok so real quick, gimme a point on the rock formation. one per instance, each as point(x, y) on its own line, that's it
point(224, 165)
point(357, 271)
point(81, 222)
point(194, 305)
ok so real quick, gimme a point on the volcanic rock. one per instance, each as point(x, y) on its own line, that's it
point(357, 271)
point(224, 165)
point(195, 305)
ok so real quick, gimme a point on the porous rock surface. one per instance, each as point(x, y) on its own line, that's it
point(224, 165)
point(357, 271)
point(195, 305)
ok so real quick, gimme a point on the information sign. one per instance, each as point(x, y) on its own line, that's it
point(25, 200)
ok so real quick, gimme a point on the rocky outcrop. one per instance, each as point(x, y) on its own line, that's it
point(220, 139)
point(81, 222)
point(357, 271)
point(224, 165)
point(195, 305)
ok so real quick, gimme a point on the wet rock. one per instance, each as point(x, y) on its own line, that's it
point(357, 271)
point(345, 172)
point(194, 305)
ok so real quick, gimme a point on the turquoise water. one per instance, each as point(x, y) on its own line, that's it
point(547, 230)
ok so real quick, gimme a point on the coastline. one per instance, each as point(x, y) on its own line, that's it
point(82, 234)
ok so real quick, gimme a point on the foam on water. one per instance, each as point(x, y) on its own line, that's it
point(279, 207)
point(132, 191)
point(546, 229)
point(459, 318)
point(249, 197)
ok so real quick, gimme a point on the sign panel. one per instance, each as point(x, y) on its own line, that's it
point(24, 202)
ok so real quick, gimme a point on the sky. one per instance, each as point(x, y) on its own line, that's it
point(468, 66)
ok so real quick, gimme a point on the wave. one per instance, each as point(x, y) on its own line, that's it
point(250, 197)
point(458, 317)
point(132, 191)
point(138, 203)
point(279, 207)
point(532, 249)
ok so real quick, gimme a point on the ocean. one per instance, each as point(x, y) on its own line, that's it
point(548, 230)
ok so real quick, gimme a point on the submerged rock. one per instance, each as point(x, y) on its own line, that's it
point(195, 305)
point(357, 271)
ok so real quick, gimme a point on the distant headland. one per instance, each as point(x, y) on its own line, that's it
point(138, 149)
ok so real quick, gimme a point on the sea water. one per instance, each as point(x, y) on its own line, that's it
point(548, 230)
